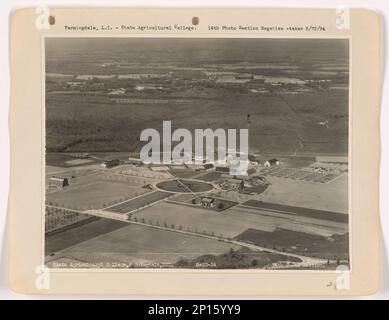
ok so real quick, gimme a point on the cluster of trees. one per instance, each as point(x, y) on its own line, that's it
point(56, 218)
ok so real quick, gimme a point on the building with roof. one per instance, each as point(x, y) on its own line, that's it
point(272, 163)
point(58, 182)
point(207, 202)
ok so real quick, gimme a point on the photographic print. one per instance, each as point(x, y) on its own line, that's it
point(196, 153)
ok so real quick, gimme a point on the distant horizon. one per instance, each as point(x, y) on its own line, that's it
point(289, 86)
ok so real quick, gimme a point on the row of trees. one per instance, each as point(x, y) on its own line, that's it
point(144, 175)
point(173, 226)
point(56, 218)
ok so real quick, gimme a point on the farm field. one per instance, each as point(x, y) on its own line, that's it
point(280, 135)
point(184, 186)
point(138, 244)
point(96, 194)
point(139, 202)
point(335, 247)
point(77, 162)
point(65, 160)
point(235, 220)
point(183, 173)
point(71, 171)
point(77, 177)
point(288, 161)
point(73, 236)
point(209, 176)
point(283, 209)
point(300, 174)
point(332, 196)
point(243, 258)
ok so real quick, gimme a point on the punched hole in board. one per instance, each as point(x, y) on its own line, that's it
point(51, 20)
point(195, 21)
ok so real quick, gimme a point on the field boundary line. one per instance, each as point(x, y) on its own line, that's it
point(116, 204)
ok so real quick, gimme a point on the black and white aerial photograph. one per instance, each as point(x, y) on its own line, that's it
point(125, 185)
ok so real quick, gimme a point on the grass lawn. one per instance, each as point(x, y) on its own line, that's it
point(182, 173)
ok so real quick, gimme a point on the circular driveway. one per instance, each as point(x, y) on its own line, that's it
point(184, 186)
